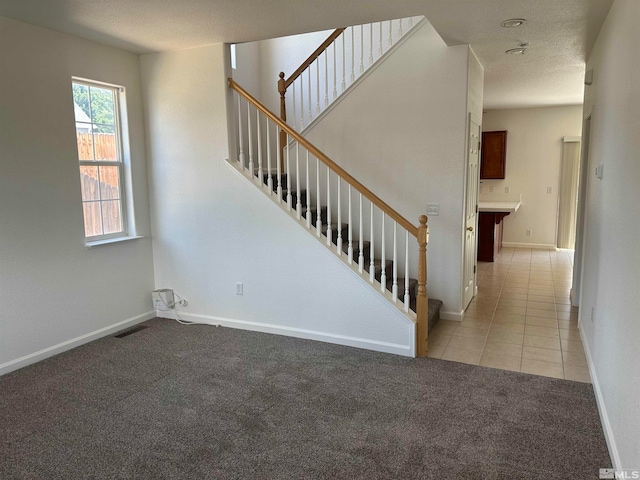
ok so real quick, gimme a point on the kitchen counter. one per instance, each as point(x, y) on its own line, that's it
point(502, 207)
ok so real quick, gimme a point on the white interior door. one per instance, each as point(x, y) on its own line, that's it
point(471, 212)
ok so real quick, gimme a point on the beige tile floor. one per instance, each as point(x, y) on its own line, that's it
point(521, 319)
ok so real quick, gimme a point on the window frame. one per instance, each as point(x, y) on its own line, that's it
point(120, 163)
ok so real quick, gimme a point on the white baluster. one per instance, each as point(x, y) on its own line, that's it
point(339, 228)
point(260, 170)
point(394, 285)
point(407, 299)
point(370, 44)
point(241, 154)
point(361, 234)
point(295, 112)
point(350, 232)
point(372, 273)
point(269, 178)
point(326, 77)
point(353, 49)
point(289, 197)
point(410, 23)
point(301, 103)
point(317, 62)
point(308, 195)
point(299, 197)
point(380, 40)
point(383, 275)
point(361, 49)
point(250, 140)
point(344, 83)
point(318, 205)
point(329, 231)
point(335, 81)
point(310, 103)
point(399, 29)
point(390, 38)
point(278, 166)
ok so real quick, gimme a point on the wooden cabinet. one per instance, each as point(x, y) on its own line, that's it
point(494, 155)
point(490, 235)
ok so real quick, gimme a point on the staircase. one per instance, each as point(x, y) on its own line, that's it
point(350, 220)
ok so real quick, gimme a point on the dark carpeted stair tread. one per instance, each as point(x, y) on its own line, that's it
point(366, 245)
point(413, 286)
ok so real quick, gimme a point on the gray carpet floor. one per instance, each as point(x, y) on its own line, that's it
point(191, 402)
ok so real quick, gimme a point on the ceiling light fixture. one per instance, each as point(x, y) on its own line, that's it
point(512, 22)
point(516, 51)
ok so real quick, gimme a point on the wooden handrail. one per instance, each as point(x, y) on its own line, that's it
point(412, 229)
point(316, 53)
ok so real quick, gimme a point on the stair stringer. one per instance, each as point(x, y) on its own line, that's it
point(407, 319)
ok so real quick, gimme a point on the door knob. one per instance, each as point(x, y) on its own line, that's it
point(470, 229)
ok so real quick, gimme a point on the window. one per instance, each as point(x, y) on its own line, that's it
point(98, 134)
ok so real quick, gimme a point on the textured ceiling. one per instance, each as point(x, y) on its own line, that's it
point(550, 73)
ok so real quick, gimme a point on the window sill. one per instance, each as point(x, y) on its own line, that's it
point(108, 241)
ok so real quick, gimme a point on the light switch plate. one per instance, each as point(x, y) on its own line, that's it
point(433, 209)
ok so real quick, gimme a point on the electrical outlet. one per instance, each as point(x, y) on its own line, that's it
point(527, 232)
point(239, 288)
point(433, 209)
point(507, 189)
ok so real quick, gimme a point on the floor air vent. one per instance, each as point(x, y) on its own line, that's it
point(126, 333)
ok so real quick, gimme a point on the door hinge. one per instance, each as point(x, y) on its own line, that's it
point(478, 145)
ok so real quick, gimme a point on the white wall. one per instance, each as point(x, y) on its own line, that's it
point(611, 269)
point(212, 228)
point(402, 133)
point(52, 289)
point(534, 154)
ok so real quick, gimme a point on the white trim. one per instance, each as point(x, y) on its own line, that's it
point(571, 139)
point(74, 342)
point(539, 246)
point(368, 344)
point(107, 241)
point(455, 316)
point(604, 417)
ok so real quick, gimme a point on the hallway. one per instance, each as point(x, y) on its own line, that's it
point(521, 319)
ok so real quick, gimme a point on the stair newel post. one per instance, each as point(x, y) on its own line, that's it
point(318, 203)
point(339, 228)
point(298, 196)
point(361, 239)
point(394, 285)
point(350, 239)
point(289, 196)
point(279, 167)
point(329, 232)
point(240, 135)
point(383, 266)
point(308, 217)
point(269, 173)
point(260, 169)
point(372, 269)
point(422, 304)
point(282, 89)
point(407, 298)
point(250, 135)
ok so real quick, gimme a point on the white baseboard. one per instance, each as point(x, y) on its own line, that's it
point(368, 344)
point(455, 316)
point(537, 246)
point(604, 417)
point(74, 342)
